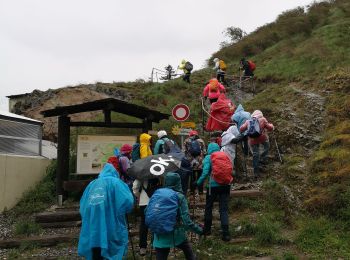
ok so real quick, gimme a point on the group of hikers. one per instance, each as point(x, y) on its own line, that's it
point(161, 198)
point(162, 202)
point(220, 68)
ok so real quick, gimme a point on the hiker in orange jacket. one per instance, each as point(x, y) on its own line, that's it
point(213, 90)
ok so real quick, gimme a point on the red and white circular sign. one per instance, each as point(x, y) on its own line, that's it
point(180, 112)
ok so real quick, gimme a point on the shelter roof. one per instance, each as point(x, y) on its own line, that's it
point(112, 104)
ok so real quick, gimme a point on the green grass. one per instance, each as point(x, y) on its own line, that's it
point(26, 227)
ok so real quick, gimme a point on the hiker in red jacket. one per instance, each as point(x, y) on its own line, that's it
point(213, 90)
point(262, 139)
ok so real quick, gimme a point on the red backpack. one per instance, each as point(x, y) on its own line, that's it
point(222, 168)
point(252, 65)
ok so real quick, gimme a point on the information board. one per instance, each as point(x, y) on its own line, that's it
point(94, 150)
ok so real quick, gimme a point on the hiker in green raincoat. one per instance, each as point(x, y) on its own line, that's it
point(178, 238)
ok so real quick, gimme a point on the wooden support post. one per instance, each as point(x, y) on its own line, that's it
point(147, 125)
point(62, 153)
point(107, 114)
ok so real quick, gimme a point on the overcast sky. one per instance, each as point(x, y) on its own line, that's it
point(54, 43)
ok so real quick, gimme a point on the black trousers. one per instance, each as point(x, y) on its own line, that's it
point(162, 253)
point(186, 77)
point(143, 231)
point(222, 193)
point(221, 78)
point(96, 253)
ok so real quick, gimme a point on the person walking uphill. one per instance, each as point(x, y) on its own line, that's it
point(159, 147)
point(187, 68)
point(140, 189)
point(194, 148)
point(216, 190)
point(240, 117)
point(177, 237)
point(220, 67)
point(257, 135)
point(248, 67)
point(103, 207)
point(213, 90)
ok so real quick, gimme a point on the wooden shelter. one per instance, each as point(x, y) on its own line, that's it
point(108, 105)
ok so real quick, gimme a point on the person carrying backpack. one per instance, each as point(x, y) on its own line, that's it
point(170, 220)
point(143, 190)
point(160, 144)
point(220, 68)
point(121, 163)
point(240, 117)
point(229, 140)
point(187, 68)
point(217, 167)
point(194, 148)
point(213, 90)
point(248, 67)
point(256, 130)
point(103, 208)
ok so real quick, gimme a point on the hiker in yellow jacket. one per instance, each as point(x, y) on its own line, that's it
point(187, 67)
point(145, 145)
point(220, 68)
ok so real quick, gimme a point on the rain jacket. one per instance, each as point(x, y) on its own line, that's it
point(212, 147)
point(173, 239)
point(220, 114)
point(226, 145)
point(210, 94)
point(197, 161)
point(182, 67)
point(145, 145)
point(264, 125)
point(103, 206)
point(159, 147)
point(240, 116)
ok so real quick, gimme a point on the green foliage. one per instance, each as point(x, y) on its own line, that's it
point(41, 196)
point(289, 256)
point(27, 227)
point(322, 238)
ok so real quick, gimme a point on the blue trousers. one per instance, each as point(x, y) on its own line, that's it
point(257, 157)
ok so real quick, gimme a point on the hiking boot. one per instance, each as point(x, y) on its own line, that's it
point(206, 232)
point(143, 251)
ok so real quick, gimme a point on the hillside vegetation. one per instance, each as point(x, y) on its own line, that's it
point(303, 87)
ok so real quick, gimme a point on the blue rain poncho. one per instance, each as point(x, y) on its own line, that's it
point(103, 207)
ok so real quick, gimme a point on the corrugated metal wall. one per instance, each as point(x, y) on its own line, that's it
point(20, 138)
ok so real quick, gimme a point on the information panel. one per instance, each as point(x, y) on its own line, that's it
point(94, 151)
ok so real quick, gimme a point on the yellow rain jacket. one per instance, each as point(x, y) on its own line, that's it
point(145, 145)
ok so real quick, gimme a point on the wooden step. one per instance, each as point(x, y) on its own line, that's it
point(64, 224)
point(59, 216)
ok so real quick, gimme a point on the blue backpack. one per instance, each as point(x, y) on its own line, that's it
point(161, 212)
point(135, 154)
point(194, 148)
point(254, 130)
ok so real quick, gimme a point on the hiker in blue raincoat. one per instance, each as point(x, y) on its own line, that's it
point(178, 238)
point(103, 207)
point(240, 116)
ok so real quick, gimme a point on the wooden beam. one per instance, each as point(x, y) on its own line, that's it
point(147, 125)
point(103, 124)
point(64, 224)
point(40, 241)
point(246, 193)
point(59, 216)
point(62, 153)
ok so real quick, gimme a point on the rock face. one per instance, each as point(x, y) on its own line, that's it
point(38, 101)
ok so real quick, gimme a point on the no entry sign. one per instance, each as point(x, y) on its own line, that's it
point(181, 112)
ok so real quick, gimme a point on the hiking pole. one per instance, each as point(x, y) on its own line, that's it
point(277, 148)
point(132, 244)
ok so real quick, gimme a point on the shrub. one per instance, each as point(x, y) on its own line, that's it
point(26, 227)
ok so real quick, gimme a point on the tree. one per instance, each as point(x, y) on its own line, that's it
point(235, 34)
